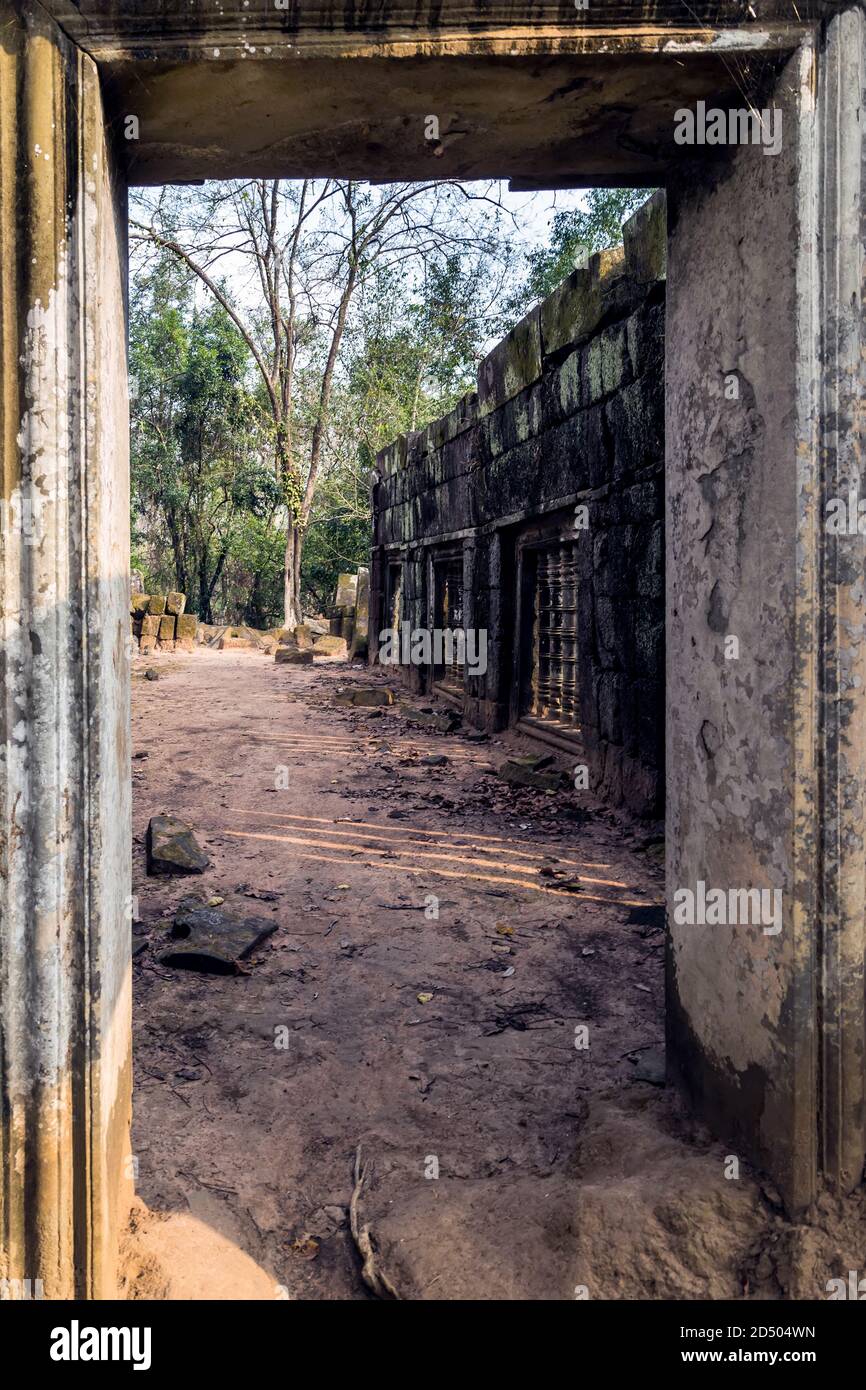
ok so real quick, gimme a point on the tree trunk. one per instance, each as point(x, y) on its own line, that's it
point(292, 585)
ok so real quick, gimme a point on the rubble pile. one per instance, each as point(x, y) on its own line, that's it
point(159, 622)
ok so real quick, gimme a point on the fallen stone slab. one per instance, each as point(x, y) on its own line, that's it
point(205, 939)
point(445, 722)
point(649, 1065)
point(230, 640)
point(331, 646)
point(172, 848)
point(536, 762)
point(517, 774)
point(367, 696)
point(293, 656)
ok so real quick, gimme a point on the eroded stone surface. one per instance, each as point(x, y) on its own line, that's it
point(172, 847)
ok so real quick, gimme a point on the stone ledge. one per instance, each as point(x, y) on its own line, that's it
point(573, 311)
point(513, 364)
point(645, 238)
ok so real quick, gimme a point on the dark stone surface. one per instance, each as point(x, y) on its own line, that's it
point(213, 942)
point(588, 429)
point(172, 848)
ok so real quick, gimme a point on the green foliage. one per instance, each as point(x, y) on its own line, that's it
point(203, 485)
point(411, 354)
point(262, 404)
point(574, 233)
point(414, 352)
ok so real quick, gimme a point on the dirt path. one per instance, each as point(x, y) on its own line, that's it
point(558, 1168)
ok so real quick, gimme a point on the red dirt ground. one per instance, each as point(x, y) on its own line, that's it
point(560, 1173)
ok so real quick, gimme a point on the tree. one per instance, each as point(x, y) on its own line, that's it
point(308, 249)
point(200, 466)
point(575, 232)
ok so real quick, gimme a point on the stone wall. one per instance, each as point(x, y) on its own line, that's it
point(159, 621)
point(568, 415)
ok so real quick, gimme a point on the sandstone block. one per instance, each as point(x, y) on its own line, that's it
point(347, 588)
point(645, 239)
point(172, 848)
point(293, 656)
point(331, 646)
point(366, 696)
point(187, 627)
point(175, 603)
point(514, 364)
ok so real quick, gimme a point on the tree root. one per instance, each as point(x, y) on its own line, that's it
point(376, 1280)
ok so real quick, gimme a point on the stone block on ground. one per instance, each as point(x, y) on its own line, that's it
point(532, 773)
point(304, 636)
point(293, 656)
point(366, 696)
point(175, 603)
point(187, 631)
point(205, 939)
point(147, 643)
point(156, 604)
point(444, 721)
point(233, 638)
point(320, 627)
point(138, 604)
point(335, 647)
point(172, 848)
point(167, 628)
point(150, 625)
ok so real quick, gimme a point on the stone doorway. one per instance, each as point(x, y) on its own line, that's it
point(765, 264)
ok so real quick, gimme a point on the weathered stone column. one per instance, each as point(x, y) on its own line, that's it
point(766, 658)
point(65, 851)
